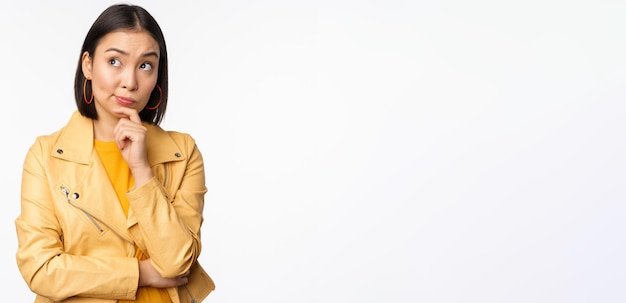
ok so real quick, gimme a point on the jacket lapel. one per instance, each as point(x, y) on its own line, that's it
point(90, 185)
point(160, 146)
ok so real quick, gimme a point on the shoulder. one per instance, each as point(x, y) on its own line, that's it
point(45, 142)
point(76, 121)
point(74, 135)
point(169, 140)
point(177, 136)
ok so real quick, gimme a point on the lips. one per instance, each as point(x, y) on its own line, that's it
point(124, 101)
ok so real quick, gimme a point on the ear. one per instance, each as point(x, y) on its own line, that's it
point(86, 65)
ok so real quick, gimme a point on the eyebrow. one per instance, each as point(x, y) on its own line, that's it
point(148, 54)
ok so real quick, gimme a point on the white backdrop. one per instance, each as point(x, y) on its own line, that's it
point(371, 151)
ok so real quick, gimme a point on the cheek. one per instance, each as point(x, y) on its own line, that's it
point(102, 81)
point(147, 88)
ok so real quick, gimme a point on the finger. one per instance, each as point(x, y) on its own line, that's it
point(125, 137)
point(125, 129)
point(185, 274)
point(121, 144)
point(132, 114)
point(182, 280)
point(125, 124)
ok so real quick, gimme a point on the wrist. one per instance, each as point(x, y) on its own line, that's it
point(142, 274)
point(141, 175)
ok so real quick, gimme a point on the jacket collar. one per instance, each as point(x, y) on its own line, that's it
point(75, 142)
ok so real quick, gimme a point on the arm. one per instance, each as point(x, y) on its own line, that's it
point(45, 266)
point(166, 226)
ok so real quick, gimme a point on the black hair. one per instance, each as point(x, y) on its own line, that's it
point(119, 17)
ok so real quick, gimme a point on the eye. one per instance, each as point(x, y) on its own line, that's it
point(115, 62)
point(145, 66)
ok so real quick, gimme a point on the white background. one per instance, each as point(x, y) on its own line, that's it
point(371, 151)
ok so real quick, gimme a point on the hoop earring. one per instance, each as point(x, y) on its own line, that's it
point(160, 97)
point(85, 93)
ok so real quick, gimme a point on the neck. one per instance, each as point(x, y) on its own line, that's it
point(103, 129)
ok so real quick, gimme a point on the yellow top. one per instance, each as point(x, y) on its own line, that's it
point(122, 181)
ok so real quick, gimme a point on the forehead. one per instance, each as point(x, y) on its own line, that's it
point(129, 41)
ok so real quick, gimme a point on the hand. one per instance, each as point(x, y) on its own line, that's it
point(149, 276)
point(130, 136)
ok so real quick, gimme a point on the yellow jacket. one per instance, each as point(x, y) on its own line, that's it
point(74, 242)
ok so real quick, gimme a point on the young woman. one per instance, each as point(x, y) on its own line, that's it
point(111, 204)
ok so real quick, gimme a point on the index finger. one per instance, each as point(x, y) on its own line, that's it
point(132, 114)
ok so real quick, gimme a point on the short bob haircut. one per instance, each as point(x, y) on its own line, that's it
point(123, 17)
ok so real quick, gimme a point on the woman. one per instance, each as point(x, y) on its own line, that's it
point(111, 204)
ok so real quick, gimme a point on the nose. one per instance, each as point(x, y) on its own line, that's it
point(129, 79)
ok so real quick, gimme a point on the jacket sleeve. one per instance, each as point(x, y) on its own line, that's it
point(46, 268)
point(166, 223)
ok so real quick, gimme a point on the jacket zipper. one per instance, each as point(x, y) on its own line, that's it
point(66, 191)
point(91, 218)
point(165, 178)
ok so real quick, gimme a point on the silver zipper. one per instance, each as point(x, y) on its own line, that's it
point(165, 179)
point(67, 196)
point(92, 219)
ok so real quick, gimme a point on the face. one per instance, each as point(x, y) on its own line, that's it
point(123, 71)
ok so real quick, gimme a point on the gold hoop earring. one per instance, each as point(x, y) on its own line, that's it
point(85, 93)
point(160, 97)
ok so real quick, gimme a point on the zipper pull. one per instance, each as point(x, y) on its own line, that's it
point(65, 191)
